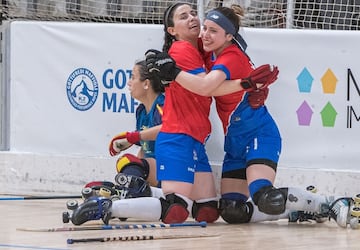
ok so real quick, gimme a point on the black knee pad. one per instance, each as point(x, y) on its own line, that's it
point(271, 200)
point(235, 211)
point(205, 211)
point(173, 209)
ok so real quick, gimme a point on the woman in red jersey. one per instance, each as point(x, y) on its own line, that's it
point(252, 139)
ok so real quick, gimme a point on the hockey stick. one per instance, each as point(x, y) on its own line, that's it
point(137, 238)
point(114, 227)
point(40, 197)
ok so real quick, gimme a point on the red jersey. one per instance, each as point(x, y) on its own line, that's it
point(235, 64)
point(184, 111)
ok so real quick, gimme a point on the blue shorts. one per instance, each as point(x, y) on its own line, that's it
point(179, 156)
point(241, 149)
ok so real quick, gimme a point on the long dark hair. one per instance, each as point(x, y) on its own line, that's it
point(155, 82)
point(168, 21)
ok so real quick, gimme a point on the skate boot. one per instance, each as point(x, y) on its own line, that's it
point(346, 211)
point(305, 216)
point(94, 208)
point(340, 211)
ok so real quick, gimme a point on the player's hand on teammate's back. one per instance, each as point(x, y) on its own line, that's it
point(123, 141)
point(260, 78)
point(257, 97)
point(161, 64)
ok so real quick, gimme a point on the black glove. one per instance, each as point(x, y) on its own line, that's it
point(162, 65)
point(257, 97)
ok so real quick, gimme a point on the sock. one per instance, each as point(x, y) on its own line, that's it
point(157, 192)
point(258, 216)
point(142, 208)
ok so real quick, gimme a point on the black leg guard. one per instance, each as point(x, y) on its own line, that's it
point(173, 209)
point(205, 211)
point(271, 200)
point(235, 211)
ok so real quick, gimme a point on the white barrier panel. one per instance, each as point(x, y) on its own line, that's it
point(69, 95)
point(68, 84)
point(316, 100)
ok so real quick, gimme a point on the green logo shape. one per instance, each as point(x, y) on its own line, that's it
point(328, 115)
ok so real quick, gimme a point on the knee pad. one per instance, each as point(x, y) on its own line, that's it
point(132, 165)
point(271, 200)
point(236, 211)
point(173, 209)
point(205, 211)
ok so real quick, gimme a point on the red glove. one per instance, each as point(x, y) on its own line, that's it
point(260, 77)
point(257, 97)
point(123, 141)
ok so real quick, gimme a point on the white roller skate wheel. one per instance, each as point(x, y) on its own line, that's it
point(354, 223)
point(357, 199)
point(355, 211)
point(71, 204)
point(311, 188)
point(104, 192)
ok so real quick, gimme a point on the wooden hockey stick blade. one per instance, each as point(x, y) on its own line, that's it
point(115, 227)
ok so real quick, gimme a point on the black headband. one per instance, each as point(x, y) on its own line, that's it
point(169, 10)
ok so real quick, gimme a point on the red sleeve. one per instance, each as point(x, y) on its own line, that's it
point(235, 62)
point(187, 57)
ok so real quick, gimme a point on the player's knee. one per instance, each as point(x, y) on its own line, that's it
point(173, 209)
point(131, 165)
point(205, 211)
point(271, 200)
point(235, 211)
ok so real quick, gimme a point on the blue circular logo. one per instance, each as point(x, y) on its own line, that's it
point(82, 89)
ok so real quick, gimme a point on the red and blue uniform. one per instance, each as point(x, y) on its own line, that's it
point(184, 111)
point(250, 134)
point(186, 126)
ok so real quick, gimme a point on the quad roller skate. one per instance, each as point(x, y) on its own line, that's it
point(93, 208)
point(98, 196)
point(355, 213)
point(346, 211)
